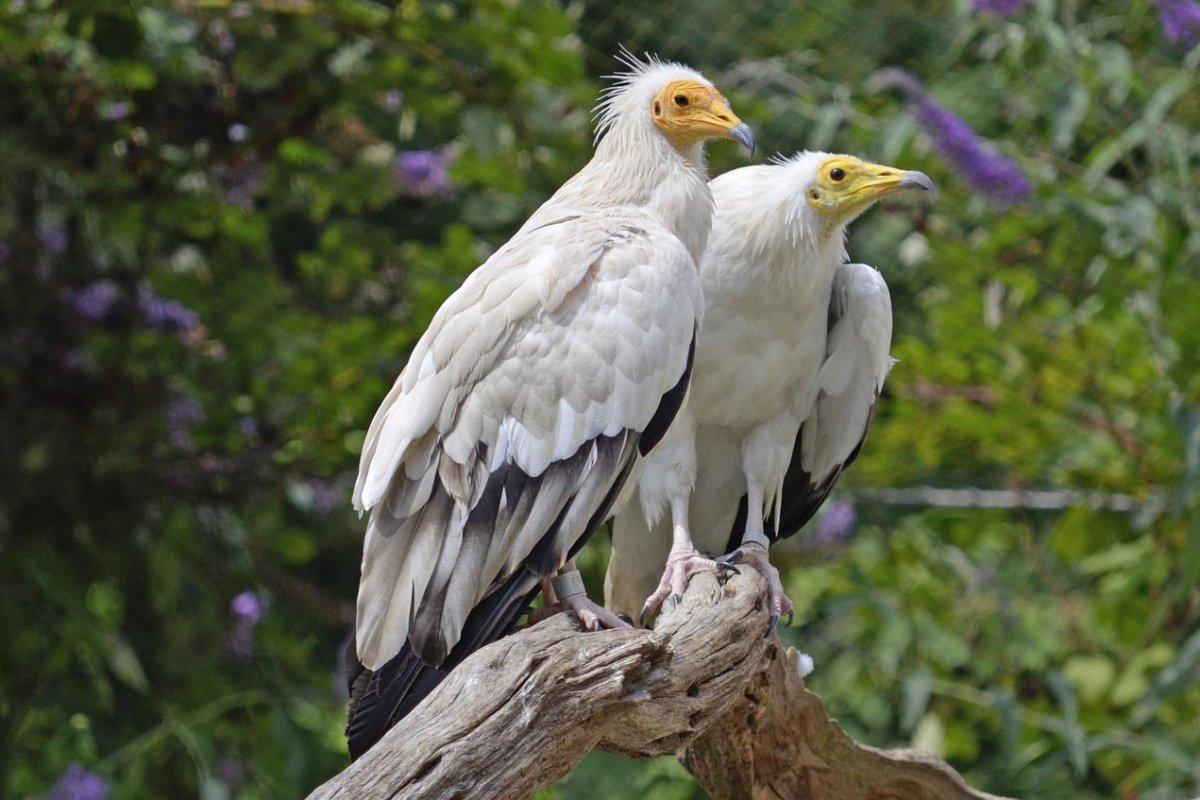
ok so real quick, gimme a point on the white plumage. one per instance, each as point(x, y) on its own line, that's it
point(540, 381)
point(789, 365)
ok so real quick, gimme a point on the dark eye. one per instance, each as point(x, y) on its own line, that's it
point(836, 174)
point(681, 100)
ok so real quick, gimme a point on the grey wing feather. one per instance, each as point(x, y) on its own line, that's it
point(519, 410)
point(849, 384)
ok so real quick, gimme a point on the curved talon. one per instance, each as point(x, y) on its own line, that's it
point(592, 616)
point(754, 554)
point(729, 566)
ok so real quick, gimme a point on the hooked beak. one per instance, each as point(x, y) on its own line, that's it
point(743, 134)
point(912, 179)
point(721, 116)
point(881, 181)
point(866, 184)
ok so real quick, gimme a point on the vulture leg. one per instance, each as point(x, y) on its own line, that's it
point(683, 562)
point(753, 551)
point(567, 591)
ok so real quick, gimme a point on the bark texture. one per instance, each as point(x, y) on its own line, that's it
point(704, 685)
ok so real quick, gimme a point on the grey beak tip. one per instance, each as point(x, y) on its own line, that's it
point(919, 180)
point(744, 135)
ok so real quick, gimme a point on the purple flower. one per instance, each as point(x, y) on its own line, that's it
point(165, 314)
point(248, 609)
point(1180, 20)
point(392, 100)
point(95, 301)
point(238, 132)
point(182, 414)
point(326, 496)
point(78, 361)
point(1001, 8)
point(422, 173)
point(54, 238)
point(984, 168)
point(836, 524)
point(77, 783)
point(248, 427)
point(114, 111)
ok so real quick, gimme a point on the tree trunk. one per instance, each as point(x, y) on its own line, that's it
point(704, 685)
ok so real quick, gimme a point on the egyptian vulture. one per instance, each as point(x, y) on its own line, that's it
point(789, 365)
point(537, 389)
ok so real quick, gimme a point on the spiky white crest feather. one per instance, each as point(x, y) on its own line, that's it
point(633, 90)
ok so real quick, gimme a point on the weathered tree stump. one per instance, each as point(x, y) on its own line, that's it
point(704, 685)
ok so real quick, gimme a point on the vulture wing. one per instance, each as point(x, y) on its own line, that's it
point(518, 416)
point(849, 382)
point(507, 439)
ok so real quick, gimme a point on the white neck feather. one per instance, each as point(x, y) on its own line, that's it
point(763, 223)
point(635, 165)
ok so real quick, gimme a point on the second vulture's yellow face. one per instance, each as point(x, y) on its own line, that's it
point(688, 112)
point(846, 186)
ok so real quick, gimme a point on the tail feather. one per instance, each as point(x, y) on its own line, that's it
point(396, 688)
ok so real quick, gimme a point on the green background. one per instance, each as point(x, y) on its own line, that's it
point(239, 158)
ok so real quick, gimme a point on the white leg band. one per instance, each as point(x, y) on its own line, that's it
point(568, 584)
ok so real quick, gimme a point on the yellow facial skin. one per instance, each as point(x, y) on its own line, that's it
point(847, 186)
point(688, 112)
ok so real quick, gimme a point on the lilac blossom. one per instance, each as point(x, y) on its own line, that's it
point(1180, 20)
point(163, 313)
point(54, 238)
point(326, 495)
point(392, 100)
point(238, 132)
point(1001, 8)
point(114, 112)
point(422, 173)
point(835, 525)
point(95, 301)
point(248, 427)
point(983, 167)
point(79, 361)
point(77, 783)
point(248, 609)
point(182, 414)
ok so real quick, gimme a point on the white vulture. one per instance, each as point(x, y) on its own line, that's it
point(537, 389)
point(788, 367)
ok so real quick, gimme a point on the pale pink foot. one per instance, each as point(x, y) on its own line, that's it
point(778, 602)
point(681, 566)
point(593, 615)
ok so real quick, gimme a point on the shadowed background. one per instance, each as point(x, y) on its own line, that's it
point(222, 226)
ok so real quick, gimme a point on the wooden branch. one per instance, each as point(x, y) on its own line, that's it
point(704, 685)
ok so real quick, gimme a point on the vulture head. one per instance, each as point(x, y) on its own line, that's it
point(676, 101)
point(839, 187)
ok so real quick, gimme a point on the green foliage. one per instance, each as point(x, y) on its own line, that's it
point(246, 161)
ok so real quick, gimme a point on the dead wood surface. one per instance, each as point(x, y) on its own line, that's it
point(704, 685)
